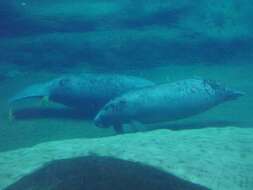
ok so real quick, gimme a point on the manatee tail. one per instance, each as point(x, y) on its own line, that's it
point(34, 91)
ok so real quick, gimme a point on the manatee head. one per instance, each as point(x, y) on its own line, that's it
point(223, 93)
point(111, 114)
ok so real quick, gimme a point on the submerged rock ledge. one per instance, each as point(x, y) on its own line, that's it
point(217, 158)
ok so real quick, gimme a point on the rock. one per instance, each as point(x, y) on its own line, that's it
point(217, 158)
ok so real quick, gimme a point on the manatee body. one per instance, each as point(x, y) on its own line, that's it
point(86, 91)
point(165, 102)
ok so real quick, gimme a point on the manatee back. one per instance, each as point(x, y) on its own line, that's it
point(94, 90)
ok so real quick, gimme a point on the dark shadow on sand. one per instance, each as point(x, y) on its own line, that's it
point(73, 114)
point(202, 124)
point(54, 113)
point(187, 125)
point(101, 173)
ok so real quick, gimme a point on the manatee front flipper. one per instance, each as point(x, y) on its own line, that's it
point(44, 101)
point(118, 128)
point(138, 126)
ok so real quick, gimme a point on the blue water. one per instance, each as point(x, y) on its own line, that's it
point(163, 41)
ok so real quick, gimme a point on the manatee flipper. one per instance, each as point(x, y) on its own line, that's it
point(44, 101)
point(137, 126)
point(118, 128)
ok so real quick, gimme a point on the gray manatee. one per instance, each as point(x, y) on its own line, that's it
point(85, 91)
point(165, 102)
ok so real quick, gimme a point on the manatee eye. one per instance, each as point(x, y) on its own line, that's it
point(115, 106)
point(119, 106)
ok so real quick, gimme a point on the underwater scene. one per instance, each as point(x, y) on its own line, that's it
point(126, 95)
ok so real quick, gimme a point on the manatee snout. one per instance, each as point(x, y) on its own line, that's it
point(110, 115)
point(101, 120)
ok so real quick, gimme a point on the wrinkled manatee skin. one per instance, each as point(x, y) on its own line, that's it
point(165, 102)
point(93, 91)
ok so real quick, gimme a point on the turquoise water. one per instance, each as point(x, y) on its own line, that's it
point(162, 41)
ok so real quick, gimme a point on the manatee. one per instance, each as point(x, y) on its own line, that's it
point(84, 91)
point(164, 102)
